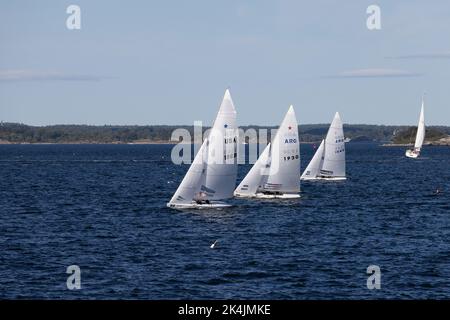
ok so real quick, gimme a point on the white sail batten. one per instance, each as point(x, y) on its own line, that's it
point(334, 154)
point(252, 181)
point(284, 172)
point(313, 168)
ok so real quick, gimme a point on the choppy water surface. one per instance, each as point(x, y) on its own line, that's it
point(102, 207)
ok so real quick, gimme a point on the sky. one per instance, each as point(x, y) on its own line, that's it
point(169, 62)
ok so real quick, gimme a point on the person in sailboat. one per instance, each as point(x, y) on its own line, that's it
point(272, 193)
point(200, 201)
point(202, 198)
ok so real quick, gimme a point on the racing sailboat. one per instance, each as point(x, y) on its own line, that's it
point(212, 175)
point(420, 136)
point(276, 173)
point(328, 163)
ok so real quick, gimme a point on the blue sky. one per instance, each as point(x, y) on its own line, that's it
point(169, 62)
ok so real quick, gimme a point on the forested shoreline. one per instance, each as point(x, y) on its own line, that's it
point(22, 133)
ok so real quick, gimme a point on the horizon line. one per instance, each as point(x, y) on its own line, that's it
point(191, 125)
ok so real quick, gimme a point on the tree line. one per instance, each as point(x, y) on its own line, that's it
point(22, 133)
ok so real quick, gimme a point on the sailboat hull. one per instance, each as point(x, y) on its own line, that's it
point(324, 179)
point(268, 196)
point(277, 196)
point(412, 154)
point(240, 195)
point(194, 205)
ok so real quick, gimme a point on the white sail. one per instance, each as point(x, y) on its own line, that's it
point(284, 172)
point(212, 175)
point(252, 181)
point(314, 166)
point(221, 168)
point(334, 155)
point(190, 186)
point(420, 136)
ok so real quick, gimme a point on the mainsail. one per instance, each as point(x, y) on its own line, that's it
point(334, 156)
point(284, 170)
point(221, 168)
point(420, 136)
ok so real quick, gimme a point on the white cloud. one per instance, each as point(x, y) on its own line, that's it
point(376, 73)
point(42, 75)
point(435, 55)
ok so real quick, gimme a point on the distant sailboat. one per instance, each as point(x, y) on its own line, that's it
point(276, 173)
point(328, 163)
point(212, 174)
point(420, 136)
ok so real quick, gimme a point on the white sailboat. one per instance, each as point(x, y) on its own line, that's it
point(328, 163)
point(276, 173)
point(212, 175)
point(420, 136)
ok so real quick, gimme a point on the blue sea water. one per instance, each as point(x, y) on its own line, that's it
point(102, 207)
